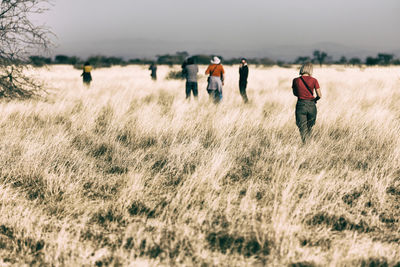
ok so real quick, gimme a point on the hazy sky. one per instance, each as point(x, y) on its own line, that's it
point(133, 28)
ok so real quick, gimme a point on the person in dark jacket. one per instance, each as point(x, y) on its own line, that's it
point(243, 75)
point(190, 70)
point(153, 69)
point(306, 109)
point(86, 74)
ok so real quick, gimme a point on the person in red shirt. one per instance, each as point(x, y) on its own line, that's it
point(306, 109)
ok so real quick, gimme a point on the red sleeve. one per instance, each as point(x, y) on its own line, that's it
point(222, 69)
point(316, 86)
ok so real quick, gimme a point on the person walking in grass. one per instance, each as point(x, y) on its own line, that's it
point(243, 75)
point(306, 109)
point(216, 79)
point(190, 70)
point(153, 69)
point(86, 74)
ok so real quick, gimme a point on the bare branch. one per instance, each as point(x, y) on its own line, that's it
point(19, 37)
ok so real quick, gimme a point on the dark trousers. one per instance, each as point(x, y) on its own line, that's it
point(87, 78)
point(242, 89)
point(191, 87)
point(215, 95)
point(306, 115)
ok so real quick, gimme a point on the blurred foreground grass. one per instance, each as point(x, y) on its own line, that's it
point(128, 172)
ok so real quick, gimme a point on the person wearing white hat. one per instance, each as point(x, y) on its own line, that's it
point(216, 78)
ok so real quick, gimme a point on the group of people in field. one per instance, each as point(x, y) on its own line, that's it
point(215, 80)
point(304, 88)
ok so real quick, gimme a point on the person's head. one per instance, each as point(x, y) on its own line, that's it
point(87, 63)
point(306, 68)
point(216, 60)
point(190, 61)
point(243, 61)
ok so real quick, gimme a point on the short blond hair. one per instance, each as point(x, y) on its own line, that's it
point(306, 68)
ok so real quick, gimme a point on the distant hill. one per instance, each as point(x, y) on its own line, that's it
point(140, 48)
point(290, 52)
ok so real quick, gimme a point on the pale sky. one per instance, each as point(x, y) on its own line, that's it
point(133, 28)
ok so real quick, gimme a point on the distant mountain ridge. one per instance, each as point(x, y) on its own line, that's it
point(335, 51)
point(146, 48)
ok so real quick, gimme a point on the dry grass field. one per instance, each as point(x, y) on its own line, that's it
point(129, 173)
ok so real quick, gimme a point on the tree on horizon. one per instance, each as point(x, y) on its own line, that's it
point(320, 56)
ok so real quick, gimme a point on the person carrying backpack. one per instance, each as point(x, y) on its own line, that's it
point(190, 70)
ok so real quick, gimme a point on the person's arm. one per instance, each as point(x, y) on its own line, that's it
point(294, 88)
point(184, 72)
point(318, 91)
point(246, 73)
point(223, 75)
point(208, 70)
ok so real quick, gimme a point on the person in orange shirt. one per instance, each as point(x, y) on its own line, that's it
point(216, 79)
point(86, 74)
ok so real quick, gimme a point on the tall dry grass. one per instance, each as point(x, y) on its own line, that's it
point(129, 173)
